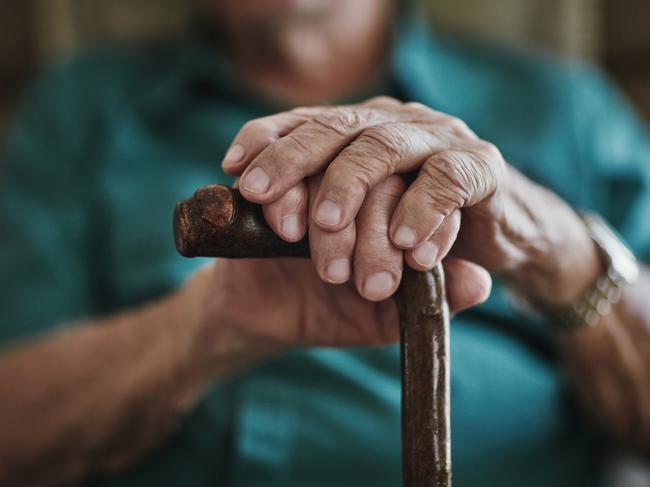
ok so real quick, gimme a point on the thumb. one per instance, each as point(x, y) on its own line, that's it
point(467, 284)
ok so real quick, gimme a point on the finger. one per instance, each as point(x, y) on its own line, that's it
point(306, 151)
point(288, 215)
point(430, 253)
point(467, 284)
point(331, 252)
point(377, 263)
point(447, 181)
point(378, 152)
point(255, 136)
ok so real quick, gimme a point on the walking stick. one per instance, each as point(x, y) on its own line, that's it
point(218, 222)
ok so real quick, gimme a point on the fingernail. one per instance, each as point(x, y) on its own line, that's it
point(405, 236)
point(290, 226)
point(379, 286)
point(338, 271)
point(257, 181)
point(235, 154)
point(425, 254)
point(328, 213)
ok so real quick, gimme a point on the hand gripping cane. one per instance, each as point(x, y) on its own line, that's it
point(218, 222)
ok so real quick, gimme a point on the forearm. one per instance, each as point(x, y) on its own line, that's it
point(98, 396)
point(610, 366)
point(609, 363)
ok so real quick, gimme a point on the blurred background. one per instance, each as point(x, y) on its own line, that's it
point(613, 33)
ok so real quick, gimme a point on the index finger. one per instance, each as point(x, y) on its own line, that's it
point(256, 135)
point(307, 150)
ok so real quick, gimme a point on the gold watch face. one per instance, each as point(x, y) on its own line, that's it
point(622, 261)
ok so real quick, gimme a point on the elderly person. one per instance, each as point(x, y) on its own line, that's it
point(282, 372)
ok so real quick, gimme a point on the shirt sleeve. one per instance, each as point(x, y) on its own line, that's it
point(44, 276)
point(615, 146)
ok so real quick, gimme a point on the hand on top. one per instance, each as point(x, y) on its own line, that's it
point(334, 171)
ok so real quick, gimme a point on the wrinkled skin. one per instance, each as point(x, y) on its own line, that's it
point(304, 310)
point(363, 219)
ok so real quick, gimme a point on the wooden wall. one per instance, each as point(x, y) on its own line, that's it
point(18, 57)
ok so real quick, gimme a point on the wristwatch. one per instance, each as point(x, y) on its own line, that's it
point(621, 270)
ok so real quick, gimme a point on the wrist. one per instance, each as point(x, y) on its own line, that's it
point(219, 342)
point(562, 277)
point(561, 261)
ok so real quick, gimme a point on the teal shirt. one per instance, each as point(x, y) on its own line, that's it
point(109, 142)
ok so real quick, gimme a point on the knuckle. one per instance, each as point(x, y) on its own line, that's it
point(417, 105)
point(307, 112)
point(448, 162)
point(362, 172)
point(289, 152)
point(457, 126)
point(384, 100)
point(345, 183)
point(374, 251)
point(385, 143)
point(387, 193)
point(294, 198)
point(299, 110)
point(436, 197)
point(255, 126)
point(354, 170)
point(341, 243)
point(296, 144)
point(490, 150)
point(393, 187)
point(418, 110)
point(342, 120)
point(446, 179)
point(260, 129)
point(372, 157)
point(490, 162)
point(251, 125)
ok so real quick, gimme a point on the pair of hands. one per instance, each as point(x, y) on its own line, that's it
point(338, 174)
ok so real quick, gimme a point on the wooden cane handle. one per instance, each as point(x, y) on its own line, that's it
point(218, 222)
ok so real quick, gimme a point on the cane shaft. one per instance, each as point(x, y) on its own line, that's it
point(424, 352)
